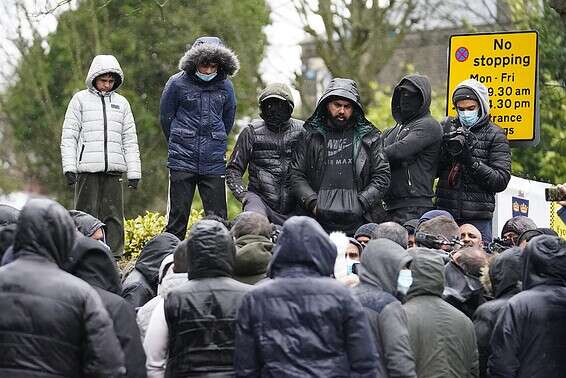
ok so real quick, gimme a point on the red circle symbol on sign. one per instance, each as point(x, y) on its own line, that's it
point(462, 54)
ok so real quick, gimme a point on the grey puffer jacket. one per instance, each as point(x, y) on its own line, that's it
point(99, 132)
point(442, 338)
point(381, 263)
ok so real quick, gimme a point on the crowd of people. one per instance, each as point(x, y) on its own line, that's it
point(344, 262)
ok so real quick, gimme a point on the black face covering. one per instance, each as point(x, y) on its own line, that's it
point(275, 112)
point(409, 103)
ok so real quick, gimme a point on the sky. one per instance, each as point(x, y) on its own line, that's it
point(281, 61)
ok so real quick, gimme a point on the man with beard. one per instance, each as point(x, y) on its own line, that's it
point(265, 148)
point(339, 173)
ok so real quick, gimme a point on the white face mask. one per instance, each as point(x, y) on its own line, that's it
point(404, 281)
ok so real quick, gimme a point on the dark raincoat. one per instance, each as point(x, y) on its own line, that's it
point(529, 336)
point(505, 276)
point(93, 263)
point(201, 313)
point(381, 262)
point(52, 324)
point(302, 323)
point(141, 284)
point(442, 338)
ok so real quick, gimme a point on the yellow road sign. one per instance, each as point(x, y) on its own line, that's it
point(507, 64)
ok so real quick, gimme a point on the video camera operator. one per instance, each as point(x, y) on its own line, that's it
point(475, 160)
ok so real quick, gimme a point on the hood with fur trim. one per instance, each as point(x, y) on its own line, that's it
point(104, 64)
point(210, 49)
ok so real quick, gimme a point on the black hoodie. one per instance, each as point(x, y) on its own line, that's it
point(141, 284)
point(412, 147)
point(371, 174)
point(528, 339)
point(93, 263)
point(201, 313)
point(505, 275)
point(52, 324)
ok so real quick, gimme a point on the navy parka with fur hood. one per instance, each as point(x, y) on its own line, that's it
point(197, 116)
point(303, 323)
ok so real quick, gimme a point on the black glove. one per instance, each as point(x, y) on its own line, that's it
point(133, 183)
point(71, 178)
point(466, 157)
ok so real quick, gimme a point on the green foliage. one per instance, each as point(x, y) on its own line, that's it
point(140, 230)
point(546, 161)
point(148, 38)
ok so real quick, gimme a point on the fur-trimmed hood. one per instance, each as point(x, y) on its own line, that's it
point(210, 49)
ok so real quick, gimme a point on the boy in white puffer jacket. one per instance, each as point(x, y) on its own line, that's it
point(99, 144)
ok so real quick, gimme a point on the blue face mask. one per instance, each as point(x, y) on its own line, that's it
point(468, 118)
point(205, 77)
point(404, 281)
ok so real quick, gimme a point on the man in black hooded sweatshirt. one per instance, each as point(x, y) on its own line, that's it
point(412, 147)
point(52, 324)
point(94, 264)
point(339, 173)
point(528, 339)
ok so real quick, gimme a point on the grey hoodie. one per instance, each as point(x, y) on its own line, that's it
point(381, 262)
point(442, 338)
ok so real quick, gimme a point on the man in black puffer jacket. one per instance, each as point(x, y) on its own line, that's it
point(141, 284)
point(412, 147)
point(93, 263)
point(475, 160)
point(265, 147)
point(339, 172)
point(528, 339)
point(194, 327)
point(52, 324)
point(505, 276)
point(302, 323)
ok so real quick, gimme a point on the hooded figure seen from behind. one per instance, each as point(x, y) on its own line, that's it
point(528, 339)
point(92, 262)
point(141, 284)
point(302, 322)
point(52, 324)
point(192, 333)
point(505, 275)
point(442, 338)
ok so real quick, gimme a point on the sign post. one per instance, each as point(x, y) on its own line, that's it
point(507, 64)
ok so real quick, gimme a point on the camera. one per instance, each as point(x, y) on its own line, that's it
point(455, 141)
point(553, 194)
point(499, 245)
point(437, 242)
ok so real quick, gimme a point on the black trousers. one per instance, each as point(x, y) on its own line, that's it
point(182, 187)
point(101, 195)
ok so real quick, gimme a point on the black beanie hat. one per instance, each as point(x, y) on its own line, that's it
point(464, 93)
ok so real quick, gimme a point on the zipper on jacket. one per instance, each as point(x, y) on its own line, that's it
point(105, 134)
point(81, 155)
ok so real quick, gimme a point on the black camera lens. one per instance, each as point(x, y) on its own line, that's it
point(455, 145)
